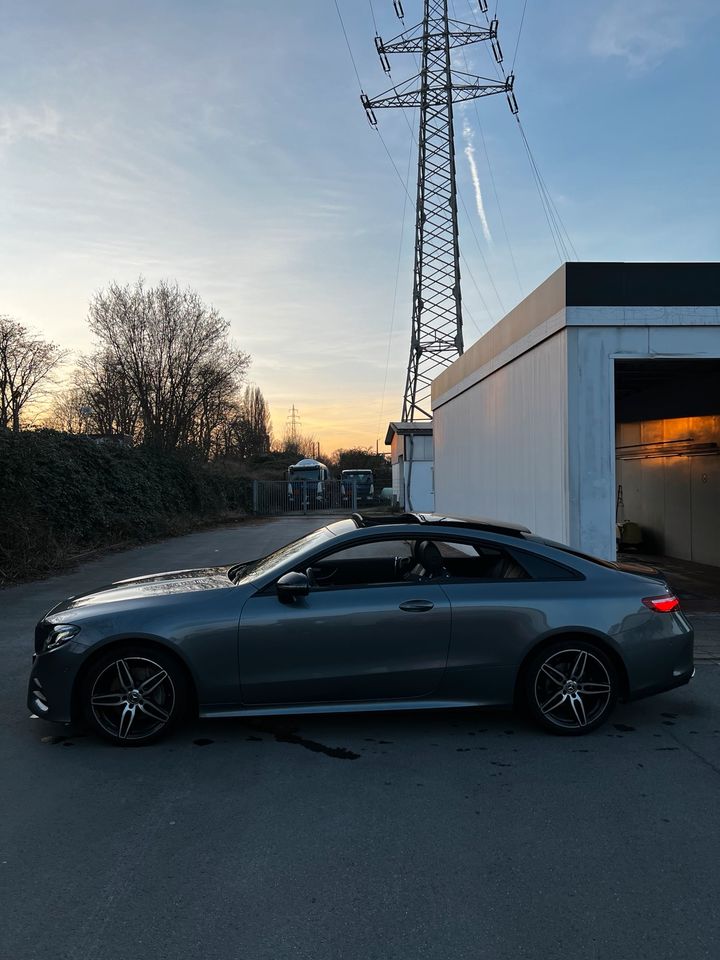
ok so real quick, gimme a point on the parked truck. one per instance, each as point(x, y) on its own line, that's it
point(364, 485)
point(308, 485)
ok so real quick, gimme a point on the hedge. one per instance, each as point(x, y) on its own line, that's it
point(61, 495)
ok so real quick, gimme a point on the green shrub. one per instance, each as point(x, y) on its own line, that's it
point(64, 494)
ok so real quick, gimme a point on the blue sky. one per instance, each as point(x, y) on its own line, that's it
point(223, 144)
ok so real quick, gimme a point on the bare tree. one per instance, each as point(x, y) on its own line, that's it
point(174, 353)
point(106, 394)
point(26, 363)
point(69, 412)
point(298, 445)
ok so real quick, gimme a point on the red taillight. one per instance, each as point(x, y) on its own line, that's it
point(662, 604)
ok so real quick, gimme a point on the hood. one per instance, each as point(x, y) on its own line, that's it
point(154, 585)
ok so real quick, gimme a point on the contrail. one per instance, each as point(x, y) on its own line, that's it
point(470, 154)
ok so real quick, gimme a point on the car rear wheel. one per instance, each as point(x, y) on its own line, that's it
point(134, 695)
point(571, 687)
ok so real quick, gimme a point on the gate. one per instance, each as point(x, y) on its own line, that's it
point(304, 496)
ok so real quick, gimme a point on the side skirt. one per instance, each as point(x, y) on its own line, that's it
point(362, 707)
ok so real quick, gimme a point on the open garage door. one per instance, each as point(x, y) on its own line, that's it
point(667, 433)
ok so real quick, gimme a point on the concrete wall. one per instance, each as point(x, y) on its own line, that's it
point(501, 443)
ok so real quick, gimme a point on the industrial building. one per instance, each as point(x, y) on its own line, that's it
point(596, 400)
point(411, 455)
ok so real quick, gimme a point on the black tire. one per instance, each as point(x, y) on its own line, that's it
point(134, 694)
point(571, 687)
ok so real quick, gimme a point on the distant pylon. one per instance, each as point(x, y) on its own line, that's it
point(437, 335)
point(293, 422)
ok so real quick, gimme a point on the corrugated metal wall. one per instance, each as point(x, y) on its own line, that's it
point(501, 446)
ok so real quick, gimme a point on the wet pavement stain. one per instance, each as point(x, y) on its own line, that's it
point(499, 763)
point(203, 742)
point(624, 727)
point(668, 723)
point(254, 739)
point(672, 716)
point(339, 753)
point(54, 740)
point(385, 741)
point(667, 748)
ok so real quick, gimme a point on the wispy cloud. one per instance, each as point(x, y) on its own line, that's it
point(470, 154)
point(644, 32)
point(22, 123)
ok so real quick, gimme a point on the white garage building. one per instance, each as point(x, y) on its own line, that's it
point(607, 376)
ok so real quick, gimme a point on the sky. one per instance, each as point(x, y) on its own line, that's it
point(222, 143)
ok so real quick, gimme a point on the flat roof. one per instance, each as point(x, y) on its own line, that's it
point(421, 428)
point(591, 284)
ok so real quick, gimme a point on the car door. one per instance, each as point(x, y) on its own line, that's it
point(353, 641)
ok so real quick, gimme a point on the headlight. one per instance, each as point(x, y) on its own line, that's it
point(60, 634)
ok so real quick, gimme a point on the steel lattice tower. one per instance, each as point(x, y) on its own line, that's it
point(437, 337)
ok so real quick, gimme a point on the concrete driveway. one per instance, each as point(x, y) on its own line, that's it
point(447, 835)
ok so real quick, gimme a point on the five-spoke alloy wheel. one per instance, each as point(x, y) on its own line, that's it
point(571, 687)
point(134, 695)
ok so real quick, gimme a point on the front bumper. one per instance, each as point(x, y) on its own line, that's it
point(52, 680)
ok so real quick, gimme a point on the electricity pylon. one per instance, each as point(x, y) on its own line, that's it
point(437, 337)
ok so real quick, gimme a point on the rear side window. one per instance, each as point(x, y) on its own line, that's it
point(540, 568)
point(475, 561)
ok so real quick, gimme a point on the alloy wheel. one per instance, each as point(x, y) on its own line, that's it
point(133, 698)
point(572, 689)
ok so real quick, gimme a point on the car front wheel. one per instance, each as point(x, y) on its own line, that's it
point(134, 695)
point(571, 687)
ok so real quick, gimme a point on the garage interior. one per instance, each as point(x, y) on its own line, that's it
point(667, 447)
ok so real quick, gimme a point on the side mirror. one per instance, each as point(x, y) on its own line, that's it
point(291, 586)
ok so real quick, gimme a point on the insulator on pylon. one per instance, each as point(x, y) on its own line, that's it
point(496, 48)
point(509, 84)
point(399, 9)
point(483, 6)
point(384, 62)
point(365, 100)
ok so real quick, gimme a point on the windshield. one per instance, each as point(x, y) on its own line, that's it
point(257, 568)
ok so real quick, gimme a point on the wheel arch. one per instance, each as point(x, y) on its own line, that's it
point(153, 643)
point(574, 633)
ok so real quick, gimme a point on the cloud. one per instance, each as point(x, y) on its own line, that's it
point(21, 123)
point(470, 154)
point(644, 32)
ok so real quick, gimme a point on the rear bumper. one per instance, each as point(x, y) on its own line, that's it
point(664, 686)
point(660, 662)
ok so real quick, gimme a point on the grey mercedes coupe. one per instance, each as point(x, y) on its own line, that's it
point(386, 613)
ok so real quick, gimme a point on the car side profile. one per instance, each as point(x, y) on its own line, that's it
point(402, 612)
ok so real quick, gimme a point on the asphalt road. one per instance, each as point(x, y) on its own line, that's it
point(442, 835)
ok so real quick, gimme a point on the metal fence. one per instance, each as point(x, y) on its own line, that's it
point(304, 496)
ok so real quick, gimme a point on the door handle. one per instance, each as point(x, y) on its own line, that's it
point(417, 606)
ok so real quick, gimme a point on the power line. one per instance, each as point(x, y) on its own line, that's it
point(517, 43)
point(372, 13)
point(347, 42)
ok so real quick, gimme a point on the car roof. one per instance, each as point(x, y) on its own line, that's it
point(439, 520)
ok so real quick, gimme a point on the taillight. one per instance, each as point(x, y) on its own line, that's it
point(662, 604)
